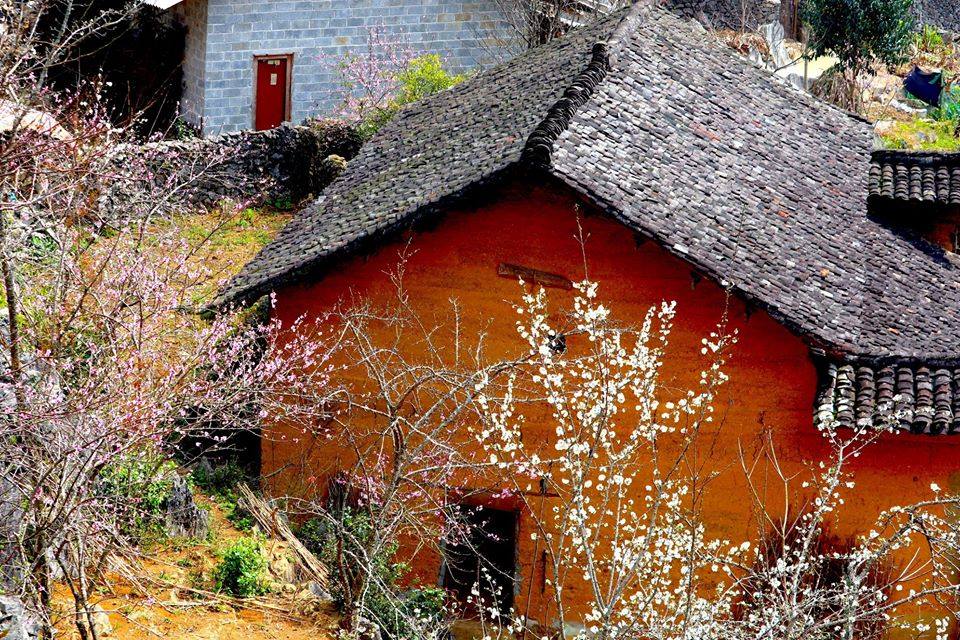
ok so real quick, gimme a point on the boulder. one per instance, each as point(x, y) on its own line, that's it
point(280, 567)
point(15, 622)
point(101, 622)
point(182, 517)
point(329, 168)
point(318, 591)
point(98, 619)
point(368, 630)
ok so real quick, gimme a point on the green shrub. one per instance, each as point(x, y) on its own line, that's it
point(220, 480)
point(949, 109)
point(858, 32)
point(239, 516)
point(242, 571)
point(139, 486)
point(929, 39)
point(399, 614)
point(314, 534)
point(426, 606)
point(922, 134)
point(424, 76)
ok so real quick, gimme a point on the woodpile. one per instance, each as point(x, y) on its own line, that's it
point(273, 522)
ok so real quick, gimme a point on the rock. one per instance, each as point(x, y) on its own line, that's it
point(15, 622)
point(304, 594)
point(318, 591)
point(203, 470)
point(573, 629)
point(329, 168)
point(279, 565)
point(11, 516)
point(101, 622)
point(182, 517)
point(774, 37)
point(368, 630)
point(884, 127)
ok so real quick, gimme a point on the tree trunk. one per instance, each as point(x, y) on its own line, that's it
point(790, 18)
point(8, 271)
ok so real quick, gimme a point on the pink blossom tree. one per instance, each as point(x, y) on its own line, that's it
point(104, 358)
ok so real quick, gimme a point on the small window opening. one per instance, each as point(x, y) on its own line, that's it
point(484, 556)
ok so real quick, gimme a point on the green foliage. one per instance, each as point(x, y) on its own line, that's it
point(949, 109)
point(139, 486)
point(858, 32)
point(239, 517)
point(183, 130)
point(220, 480)
point(220, 483)
point(424, 76)
point(426, 605)
point(314, 534)
point(929, 39)
point(399, 614)
point(242, 571)
point(922, 134)
point(281, 204)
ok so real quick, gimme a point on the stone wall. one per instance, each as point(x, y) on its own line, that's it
point(944, 14)
point(280, 166)
point(732, 14)
point(319, 33)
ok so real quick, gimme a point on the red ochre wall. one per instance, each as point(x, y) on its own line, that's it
point(772, 378)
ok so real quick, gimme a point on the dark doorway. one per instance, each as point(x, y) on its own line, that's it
point(486, 558)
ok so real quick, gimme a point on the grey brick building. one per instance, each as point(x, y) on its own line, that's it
point(287, 51)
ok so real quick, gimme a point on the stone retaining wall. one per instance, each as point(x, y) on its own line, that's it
point(743, 15)
point(944, 14)
point(280, 166)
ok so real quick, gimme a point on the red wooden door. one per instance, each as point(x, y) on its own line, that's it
point(271, 99)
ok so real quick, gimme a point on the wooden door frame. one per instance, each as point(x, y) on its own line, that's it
point(288, 98)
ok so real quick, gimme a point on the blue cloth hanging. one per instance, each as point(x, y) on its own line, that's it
point(924, 86)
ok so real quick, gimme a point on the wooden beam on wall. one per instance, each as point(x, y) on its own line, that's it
point(534, 276)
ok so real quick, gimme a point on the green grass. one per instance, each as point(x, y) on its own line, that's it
point(922, 135)
point(249, 228)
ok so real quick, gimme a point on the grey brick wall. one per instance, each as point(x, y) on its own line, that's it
point(467, 33)
point(194, 14)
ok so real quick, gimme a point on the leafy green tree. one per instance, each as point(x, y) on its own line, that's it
point(859, 32)
point(422, 77)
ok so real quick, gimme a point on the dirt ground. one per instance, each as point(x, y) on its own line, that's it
point(172, 599)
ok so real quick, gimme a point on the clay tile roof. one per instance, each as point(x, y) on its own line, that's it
point(913, 398)
point(914, 176)
point(757, 185)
